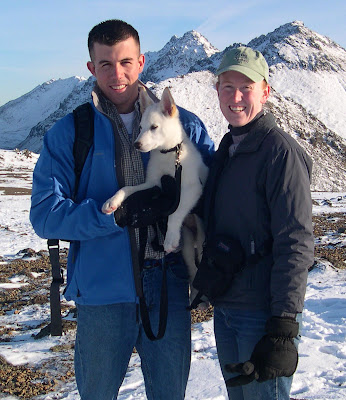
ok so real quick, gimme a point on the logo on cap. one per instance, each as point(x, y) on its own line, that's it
point(241, 57)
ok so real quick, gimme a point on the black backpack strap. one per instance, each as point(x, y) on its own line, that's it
point(55, 307)
point(83, 117)
point(84, 139)
point(54, 328)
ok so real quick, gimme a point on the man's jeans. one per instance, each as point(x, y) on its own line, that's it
point(106, 336)
point(237, 332)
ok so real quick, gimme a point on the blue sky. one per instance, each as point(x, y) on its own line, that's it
point(45, 39)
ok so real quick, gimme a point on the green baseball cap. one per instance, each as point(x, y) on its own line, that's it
point(249, 62)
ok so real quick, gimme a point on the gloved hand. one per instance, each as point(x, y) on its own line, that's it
point(148, 206)
point(273, 356)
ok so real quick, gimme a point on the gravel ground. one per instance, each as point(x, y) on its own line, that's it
point(26, 382)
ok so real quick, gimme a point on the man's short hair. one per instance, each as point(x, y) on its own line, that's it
point(111, 32)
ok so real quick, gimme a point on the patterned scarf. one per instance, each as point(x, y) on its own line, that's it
point(131, 161)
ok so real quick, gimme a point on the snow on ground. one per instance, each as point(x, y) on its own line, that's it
point(321, 372)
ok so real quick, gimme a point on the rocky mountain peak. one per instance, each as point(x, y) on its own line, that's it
point(299, 47)
point(177, 56)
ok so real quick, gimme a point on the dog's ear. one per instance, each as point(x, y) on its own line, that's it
point(168, 106)
point(144, 99)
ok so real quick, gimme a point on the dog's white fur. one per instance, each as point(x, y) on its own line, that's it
point(161, 129)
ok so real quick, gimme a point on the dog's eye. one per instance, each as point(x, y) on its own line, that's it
point(153, 127)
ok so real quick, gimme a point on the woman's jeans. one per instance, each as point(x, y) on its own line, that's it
point(237, 332)
point(107, 335)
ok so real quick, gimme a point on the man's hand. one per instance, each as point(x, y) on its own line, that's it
point(273, 356)
point(148, 206)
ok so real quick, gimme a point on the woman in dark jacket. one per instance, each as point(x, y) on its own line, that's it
point(259, 236)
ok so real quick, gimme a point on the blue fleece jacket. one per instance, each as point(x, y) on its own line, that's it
point(99, 263)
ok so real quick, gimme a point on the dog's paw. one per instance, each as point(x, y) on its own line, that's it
point(113, 203)
point(169, 247)
point(107, 208)
point(171, 242)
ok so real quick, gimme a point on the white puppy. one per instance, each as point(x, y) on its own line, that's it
point(161, 130)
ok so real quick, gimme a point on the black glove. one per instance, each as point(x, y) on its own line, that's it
point(146, 207)
point(273, 356)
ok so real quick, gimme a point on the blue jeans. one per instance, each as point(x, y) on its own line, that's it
point(236, 334)
point(107, 334)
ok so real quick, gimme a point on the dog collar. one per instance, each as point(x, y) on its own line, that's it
point(176, 148)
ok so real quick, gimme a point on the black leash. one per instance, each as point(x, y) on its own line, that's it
point(138, 263)
point(163, 314)
point(162, 225)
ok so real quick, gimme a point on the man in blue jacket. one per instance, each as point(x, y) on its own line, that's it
point(100, 263)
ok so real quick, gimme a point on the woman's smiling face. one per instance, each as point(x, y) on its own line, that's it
point(240, 98)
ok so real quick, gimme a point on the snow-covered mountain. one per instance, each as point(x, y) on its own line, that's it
point(177, 57)
point(308, 68)
point(304, 66)
point(17, 117)
point(307, 75)
point(78, 95)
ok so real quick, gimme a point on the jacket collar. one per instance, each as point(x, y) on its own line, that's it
point(242, 130)
point(258, 130)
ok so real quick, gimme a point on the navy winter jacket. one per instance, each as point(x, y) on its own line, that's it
point(262, 198)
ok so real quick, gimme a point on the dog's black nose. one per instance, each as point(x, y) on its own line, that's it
point(138, 145)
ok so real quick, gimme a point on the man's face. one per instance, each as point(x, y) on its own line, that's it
point(240, 98)
point(116, 69)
